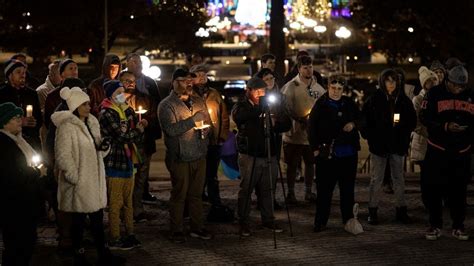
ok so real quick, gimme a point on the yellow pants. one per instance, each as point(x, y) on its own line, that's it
point(120, 195)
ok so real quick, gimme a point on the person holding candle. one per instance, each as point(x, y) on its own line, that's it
point(137, 100)
point(179, 114)
point(19, 188)
point(120, 124)
point(16, 91)
point(388, 118)
point(217, 110)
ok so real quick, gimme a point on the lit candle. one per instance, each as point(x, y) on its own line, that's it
point(210, 114)
point(29, 110)
point(396, 118)
point(140, 113)
point(201, 123)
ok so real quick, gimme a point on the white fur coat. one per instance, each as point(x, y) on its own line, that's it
point(81, 184)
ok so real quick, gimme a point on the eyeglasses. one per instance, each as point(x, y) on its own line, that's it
point(338, 81)
point(129, 81)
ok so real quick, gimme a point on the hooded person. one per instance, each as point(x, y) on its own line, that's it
point(15, 90)
point(438, 68)
point(79, 153)
point(120, 124)
point(19, 189)
point(111, 68)
point(446, 111)
point(387, 120)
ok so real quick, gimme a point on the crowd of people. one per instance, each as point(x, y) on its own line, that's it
point(82, 149)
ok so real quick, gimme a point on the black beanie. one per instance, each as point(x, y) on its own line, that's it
point(8, 110)
point(64, 63)
point(11, 65)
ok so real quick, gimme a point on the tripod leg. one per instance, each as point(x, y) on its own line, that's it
point(284, 197)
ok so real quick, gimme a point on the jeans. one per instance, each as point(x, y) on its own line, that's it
point(378, 171)
point(254, 172)
point(211, 182)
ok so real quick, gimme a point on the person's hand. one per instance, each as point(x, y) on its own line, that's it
point(200, 116)
point(143, 122)
point(316, 153)
point(28, 122)
point(140, 127)
point(43, 171)
point(205, 131)
point(455, 127)
point(349, 127)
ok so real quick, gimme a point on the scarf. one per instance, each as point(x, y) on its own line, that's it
point(26, 148)
point(132, 153)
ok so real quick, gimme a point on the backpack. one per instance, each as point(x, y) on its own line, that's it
point(220, 214)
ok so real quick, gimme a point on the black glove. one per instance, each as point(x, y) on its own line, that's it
point(105, 145)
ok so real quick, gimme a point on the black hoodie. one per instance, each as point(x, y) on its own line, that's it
point(377, 123)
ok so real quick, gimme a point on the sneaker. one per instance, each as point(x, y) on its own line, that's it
point(244, 230)
point(460, 234)
point(202, 234)
point(119, 244)
point(310, 196)
point(273, 227)
point(131, 239)
point(149, 198)
point(178, 237)
point(433, 233)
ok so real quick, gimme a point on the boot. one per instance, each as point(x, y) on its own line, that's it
point(402, 215)
point(373, 219)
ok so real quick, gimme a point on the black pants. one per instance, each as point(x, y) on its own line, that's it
point(445, 175)
point(328, 173)
point(19, 238)
point(97, 228)
point(211, 182)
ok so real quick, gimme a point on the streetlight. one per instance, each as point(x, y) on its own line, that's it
point(343, 33)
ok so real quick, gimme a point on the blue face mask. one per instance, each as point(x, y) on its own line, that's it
point(120, 98)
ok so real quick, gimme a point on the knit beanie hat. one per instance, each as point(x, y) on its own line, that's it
point(256, 83)
point(8, 110)
point(11, 65)
point(74, 97)
point(73, 82)
point(110, 86)
point(426, 74)
point(458, 75)
point(436, 64)
point(64, 64)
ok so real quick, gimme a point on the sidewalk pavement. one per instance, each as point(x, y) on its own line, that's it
point(389, 243)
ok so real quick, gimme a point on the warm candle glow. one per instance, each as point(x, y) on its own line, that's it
point(396, 118)
point(29, 110)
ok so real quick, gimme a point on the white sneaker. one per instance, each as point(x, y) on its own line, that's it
point(460, 234)
point(433, 234)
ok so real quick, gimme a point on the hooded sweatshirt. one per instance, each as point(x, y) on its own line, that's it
point(377, 124)
point(96, 90)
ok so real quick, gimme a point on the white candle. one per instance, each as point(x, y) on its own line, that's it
point(140, 113)
point(29, 110)
point(201, 123)
point(396, 118)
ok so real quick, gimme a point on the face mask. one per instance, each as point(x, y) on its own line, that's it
point(120, 98)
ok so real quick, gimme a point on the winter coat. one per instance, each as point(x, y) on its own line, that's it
point(377, 122)
point(251, 135)
point(81, 185)
point(440, 107)
point(19, 183)
point(419, 142)
point(43, 91)
point(326, 123)
point(300, 99)
point(183, 143)
point(124, 136)
point(21, 98)
point(218, 113)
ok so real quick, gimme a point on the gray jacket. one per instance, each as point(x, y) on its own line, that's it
point(183, 143)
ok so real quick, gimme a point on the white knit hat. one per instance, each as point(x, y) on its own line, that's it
point(74, 97)
point(426, 74)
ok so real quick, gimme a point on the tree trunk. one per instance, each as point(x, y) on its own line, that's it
point(277, 36)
